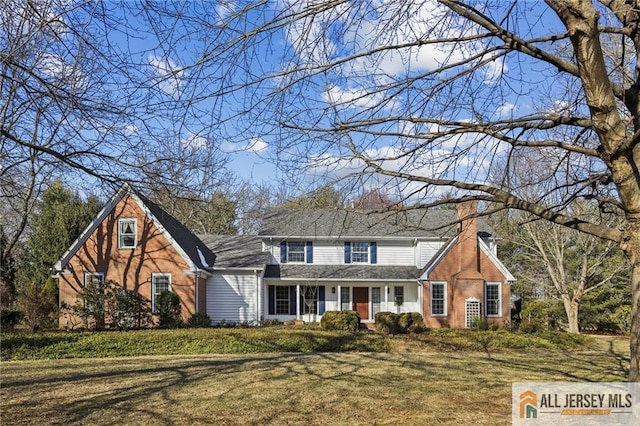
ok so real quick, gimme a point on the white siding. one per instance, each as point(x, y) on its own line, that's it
point(397, 253)
point(390, 252)
point(232, 297)
point(426, 251)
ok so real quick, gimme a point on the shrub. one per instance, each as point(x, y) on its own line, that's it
point(387, 322)
point(480, 323)
point(621, 317)
point(9, 318)
point(531, 326)
point(547, 313)
point(407, 322)
point(127, 309)
point(340, 320)
point(169, 308)
point(199, 320)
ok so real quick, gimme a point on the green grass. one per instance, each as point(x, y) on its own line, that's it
point(417, 382)
point(58, 345)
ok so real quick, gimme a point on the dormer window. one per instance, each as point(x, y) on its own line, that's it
point(127, 233)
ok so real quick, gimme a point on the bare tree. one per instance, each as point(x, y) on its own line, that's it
point(79, 98)
point(430, 97)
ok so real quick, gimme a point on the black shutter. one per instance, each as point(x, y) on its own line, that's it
point(321, 300)
point(292, 300)
point(283, 252)
point(374, 252)
point(347, 252)
point(309, 252)
point(272, 300)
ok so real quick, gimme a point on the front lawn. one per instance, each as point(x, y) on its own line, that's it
point(410, 383)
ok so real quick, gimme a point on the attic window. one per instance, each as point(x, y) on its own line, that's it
point(127, 233)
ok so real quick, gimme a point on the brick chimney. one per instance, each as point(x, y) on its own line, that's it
point(468, 250)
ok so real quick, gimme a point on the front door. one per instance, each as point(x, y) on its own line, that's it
point(361, 301)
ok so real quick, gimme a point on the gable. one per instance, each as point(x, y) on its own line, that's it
point(447, 254)
point(189, 247)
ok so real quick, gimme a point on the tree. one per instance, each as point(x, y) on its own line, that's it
point(60, 218)
point(562, 263)
point(424, 97)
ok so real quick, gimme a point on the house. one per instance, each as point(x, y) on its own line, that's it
point(302, 263)
point(135, 243)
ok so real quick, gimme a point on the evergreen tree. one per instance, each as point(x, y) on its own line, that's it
point(61, 217)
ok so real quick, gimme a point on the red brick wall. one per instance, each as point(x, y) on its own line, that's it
point(465, 269)
point(130, 268)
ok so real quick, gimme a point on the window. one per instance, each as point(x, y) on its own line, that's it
point(493, 299)
point(398, 295)
point(295, 252)
point(375, 300)
point(360, 252)
point(345, 298)
point(127, 233)
point(93, 278)
point(160, 284)
point(438, 299)
point(282, 300)
point(310, 299)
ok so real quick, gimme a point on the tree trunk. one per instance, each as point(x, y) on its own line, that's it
point(571, 308)
point(634, 368)
point(633, 251)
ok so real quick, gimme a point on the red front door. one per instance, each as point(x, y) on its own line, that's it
point(361, 301)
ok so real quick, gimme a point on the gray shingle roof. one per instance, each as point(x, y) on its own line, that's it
point(342, 272)
point(197, 250)
point(342, 223)
point(236, 251)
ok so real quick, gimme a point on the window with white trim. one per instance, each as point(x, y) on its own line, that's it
point(159, 284)
point(127, 233)
point(282, 300)
point(296, 251)
point(360, 252)
point(310, 299)
point(345, 298)
point(375, 300)
point(493, 299)
point(438, 299)
point(94, 278)
point(398, 295)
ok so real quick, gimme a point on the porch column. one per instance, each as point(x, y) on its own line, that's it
point(297, 301)
point(420, 301)
point(386, 297)
point(339, 289)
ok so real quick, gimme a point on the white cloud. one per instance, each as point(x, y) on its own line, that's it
point(494, 70)
point(506, 109)
point(194, 141)
point(254, 145)
point(170, 76)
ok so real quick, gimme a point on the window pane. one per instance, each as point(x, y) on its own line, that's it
point(493, 299)
point(437, 299)
point(282, 300)
point(295, 251)
point(398, 295)
point(360, 252)
point(310, 300)
point(345, 298)
point(127, 233)
point(375, 300)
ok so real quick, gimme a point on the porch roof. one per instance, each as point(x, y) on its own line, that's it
point(342, 272)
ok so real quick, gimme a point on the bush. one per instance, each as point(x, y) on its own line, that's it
point(9, 318)
point(621, 317)
point(340, 320)
point(127, 309)
point(199, 320)
point(169, 309)
point(387, 322)
point(480, 323)
point(547, 313)
point(407, 322)
point(531, 326)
